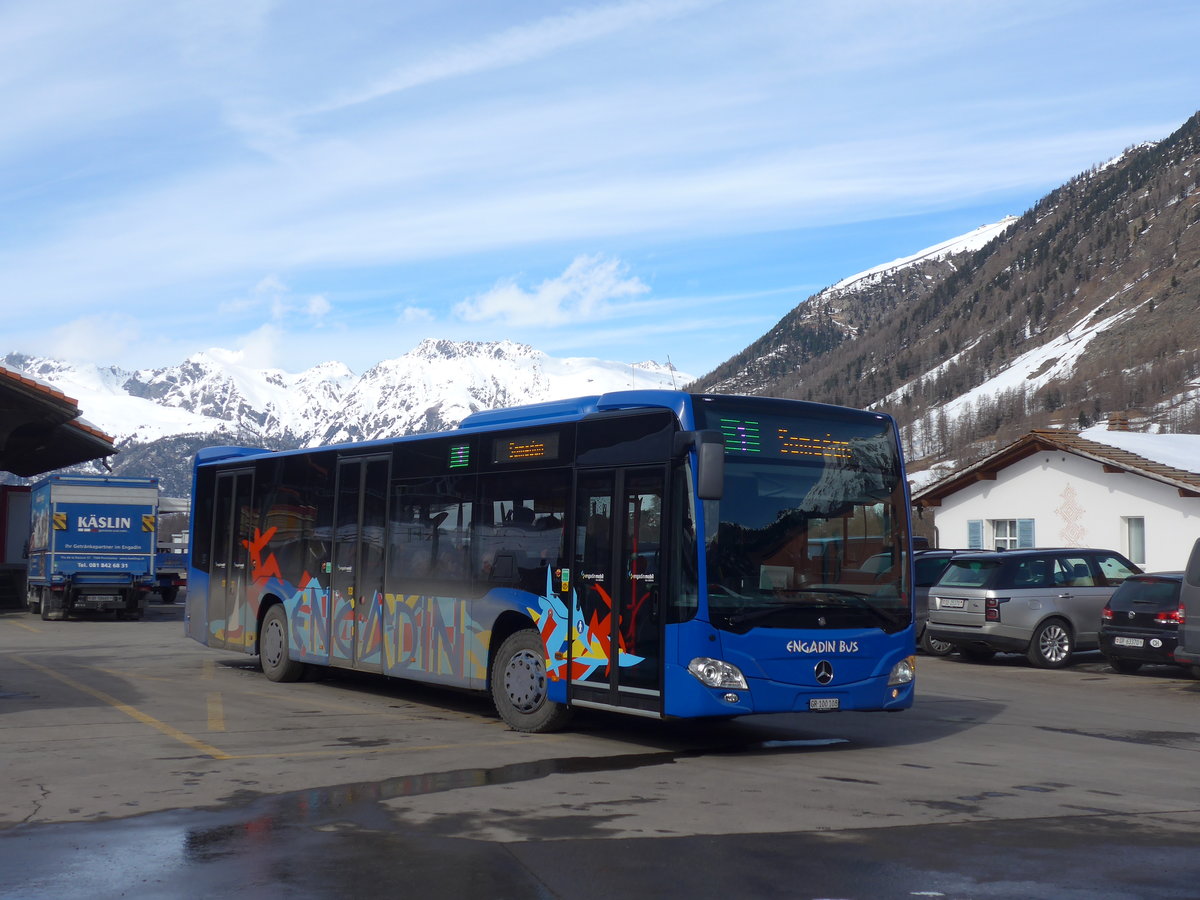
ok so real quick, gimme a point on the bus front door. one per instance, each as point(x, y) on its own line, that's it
point(228, 612)
point(616, 658)
point(356, 578)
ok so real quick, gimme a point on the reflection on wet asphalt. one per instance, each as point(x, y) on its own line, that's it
point(209, 852)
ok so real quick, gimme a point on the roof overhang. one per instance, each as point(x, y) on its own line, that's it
point(1111, 460)
point(40, 428)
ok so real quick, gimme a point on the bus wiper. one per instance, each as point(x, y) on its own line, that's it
point(845, 597)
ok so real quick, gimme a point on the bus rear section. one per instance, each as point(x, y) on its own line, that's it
point(633, 552)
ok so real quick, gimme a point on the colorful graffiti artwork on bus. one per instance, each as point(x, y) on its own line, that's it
point(435, 635)
point(588, 640)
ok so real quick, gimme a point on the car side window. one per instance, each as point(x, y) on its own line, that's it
point(1073, 571)
point(1114, 569)
point(1032, 572)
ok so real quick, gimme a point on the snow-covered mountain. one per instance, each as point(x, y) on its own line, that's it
point(1085, 307)
point(160, 415)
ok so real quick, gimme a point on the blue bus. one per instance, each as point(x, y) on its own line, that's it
point(656, 553)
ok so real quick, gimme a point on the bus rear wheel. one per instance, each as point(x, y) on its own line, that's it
point(519, 685)
point(277, 663)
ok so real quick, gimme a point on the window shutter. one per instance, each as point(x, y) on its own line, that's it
point(1025, 533)
point(975, 534)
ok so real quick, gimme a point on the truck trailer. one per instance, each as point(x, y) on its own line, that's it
point(92, 545)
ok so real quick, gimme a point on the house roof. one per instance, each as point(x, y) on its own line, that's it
point(40, 428)
point(1113, 459)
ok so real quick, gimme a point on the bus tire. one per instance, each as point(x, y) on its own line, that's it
point(519, 685)
point(277, 663)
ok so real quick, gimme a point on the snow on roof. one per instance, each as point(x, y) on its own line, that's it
point(1180, 451)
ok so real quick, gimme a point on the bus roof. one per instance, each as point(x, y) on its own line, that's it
point(547, 413)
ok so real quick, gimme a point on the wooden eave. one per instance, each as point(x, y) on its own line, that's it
point(40, 428)
point(1111, 460)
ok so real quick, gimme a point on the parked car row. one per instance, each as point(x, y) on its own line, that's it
point(1049, 603)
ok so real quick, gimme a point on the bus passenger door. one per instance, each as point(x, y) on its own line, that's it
point(616, 656)
point(231, 559)
point(356, 579)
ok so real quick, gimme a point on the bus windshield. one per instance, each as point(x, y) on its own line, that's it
point(811, 530)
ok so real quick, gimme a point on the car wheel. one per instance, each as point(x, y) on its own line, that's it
point(277, 663)
point(1052, 645)
point(520, 685)
point(1124, 666)
point(977, 654)
point(934, 647)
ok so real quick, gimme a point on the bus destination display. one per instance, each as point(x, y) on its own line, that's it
point(752, 436)
point(526, 448)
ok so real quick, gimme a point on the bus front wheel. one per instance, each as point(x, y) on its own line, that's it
point(519, 685)
point(277, 663)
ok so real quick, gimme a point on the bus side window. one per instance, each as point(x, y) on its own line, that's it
point(429, 533)
point(520, 529)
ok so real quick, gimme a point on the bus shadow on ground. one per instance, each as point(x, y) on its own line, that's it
point(772, 733)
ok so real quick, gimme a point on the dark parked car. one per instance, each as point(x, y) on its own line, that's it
point(1187, 651)
point(1044, 603)
point(928, 565)
point(1140, 623)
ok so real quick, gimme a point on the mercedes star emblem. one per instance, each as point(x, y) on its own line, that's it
point(824, 672)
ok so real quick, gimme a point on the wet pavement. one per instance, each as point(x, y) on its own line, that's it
point(138, 764)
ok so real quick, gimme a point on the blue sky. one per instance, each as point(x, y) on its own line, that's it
point(647, 179)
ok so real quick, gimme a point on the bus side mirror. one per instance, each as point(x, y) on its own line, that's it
point(710, 461)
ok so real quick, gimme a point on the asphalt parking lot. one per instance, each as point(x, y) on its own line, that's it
point(168, 769)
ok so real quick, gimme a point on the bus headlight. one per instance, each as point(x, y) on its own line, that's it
point(717, 674)
point(904, 671)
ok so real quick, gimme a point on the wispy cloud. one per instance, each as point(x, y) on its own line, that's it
point(581, 295)
point(243, 163)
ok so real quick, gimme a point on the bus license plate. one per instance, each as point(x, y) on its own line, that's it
point(824, 702)
point(1128, 642)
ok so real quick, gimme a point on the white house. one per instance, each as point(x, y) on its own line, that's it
point(1138, 494)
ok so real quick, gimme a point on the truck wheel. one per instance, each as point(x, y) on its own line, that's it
point(169, 594)
point(33, 598)
point(519, 685)
point(277, 664)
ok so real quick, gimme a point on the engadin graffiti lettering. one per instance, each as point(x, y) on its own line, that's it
point(588, 650)
point(434, 635)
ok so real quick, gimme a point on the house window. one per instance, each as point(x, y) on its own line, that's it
point(1004, 534)
point(1007, 534)
point(1135, 538)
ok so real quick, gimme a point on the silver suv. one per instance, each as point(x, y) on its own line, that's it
point(1044, 603)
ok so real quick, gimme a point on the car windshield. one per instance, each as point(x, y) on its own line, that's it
point(971, 573)
point(929, 569)
point(1147, 593)
point(806, 537)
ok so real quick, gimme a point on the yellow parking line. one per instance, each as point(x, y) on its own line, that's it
point(28, 627)
point(216, 713)
point(132, 712)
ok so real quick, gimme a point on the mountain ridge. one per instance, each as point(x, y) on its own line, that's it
point(160, 417)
